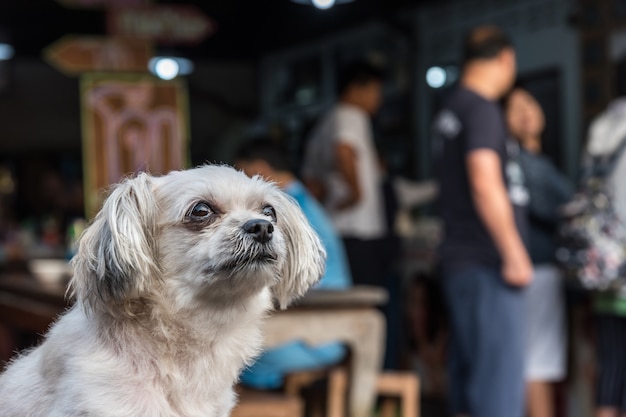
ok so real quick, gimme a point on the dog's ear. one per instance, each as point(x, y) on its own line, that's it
point(117, 252)
point(306, 257)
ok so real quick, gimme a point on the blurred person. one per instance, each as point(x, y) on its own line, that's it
point(427, 333)
point(484, 262)
point(263, 157)
point(341, 169)
point(549, 189)
point(607, 143)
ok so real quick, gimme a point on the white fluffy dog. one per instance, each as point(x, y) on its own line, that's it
point(171, 282)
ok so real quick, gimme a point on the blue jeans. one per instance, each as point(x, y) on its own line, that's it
point(486, 363)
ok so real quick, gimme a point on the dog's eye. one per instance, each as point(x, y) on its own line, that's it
point(269, 212)
point(200, 211)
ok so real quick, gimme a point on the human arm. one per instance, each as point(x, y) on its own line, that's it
point(345, 161)
point(316, 188)
point(549, 189)
point(351, 138)
point(495, 211)
point(346, 158)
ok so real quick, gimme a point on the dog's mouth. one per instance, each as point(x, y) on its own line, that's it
point(254, 260)
point(244, 262)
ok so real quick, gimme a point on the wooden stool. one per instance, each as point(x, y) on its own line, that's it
point(337, 386)
point(403, 385)
point(257, 404)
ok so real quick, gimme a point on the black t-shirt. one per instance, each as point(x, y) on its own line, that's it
point(468, 122)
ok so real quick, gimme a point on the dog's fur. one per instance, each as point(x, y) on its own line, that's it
point(169, 306)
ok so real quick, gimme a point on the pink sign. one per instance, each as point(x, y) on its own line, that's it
point(131, 124)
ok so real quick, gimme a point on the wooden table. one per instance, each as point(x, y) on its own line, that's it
point(320, 316)
point(347, 316)
point(29, 306)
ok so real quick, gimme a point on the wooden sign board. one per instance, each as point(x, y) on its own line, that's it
point(131, 123)
point(161, 23)
point(74, 54)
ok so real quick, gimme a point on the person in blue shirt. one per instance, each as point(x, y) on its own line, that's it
point(263, 157)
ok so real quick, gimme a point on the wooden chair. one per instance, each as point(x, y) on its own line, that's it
point(394, 388)
point(404, 386)
point(289, 401)
point(267, 404)
point(337, 386)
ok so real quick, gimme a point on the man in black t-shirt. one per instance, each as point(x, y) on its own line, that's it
point(484, 262)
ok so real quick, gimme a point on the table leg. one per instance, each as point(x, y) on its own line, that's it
point(363, 330)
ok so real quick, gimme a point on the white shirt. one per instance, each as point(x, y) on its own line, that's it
point(349, 125)
point(606, 134)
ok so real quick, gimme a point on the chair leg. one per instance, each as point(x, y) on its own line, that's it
point(388, 407)
point(410, 399)
point(399, 384)
point(298, 380)
point(337, 387)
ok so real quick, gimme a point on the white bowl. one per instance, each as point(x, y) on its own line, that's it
point(50, 271)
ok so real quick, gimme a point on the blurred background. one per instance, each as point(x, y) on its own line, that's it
point(243, 66)
point(202, 76)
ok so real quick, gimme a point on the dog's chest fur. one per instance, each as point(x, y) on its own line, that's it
point(169, 377)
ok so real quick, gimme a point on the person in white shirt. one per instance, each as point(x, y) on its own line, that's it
point(341, 168)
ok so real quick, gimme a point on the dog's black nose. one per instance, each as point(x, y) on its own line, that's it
point(261, 230)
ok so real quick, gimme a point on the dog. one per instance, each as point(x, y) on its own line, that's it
point(171, 283)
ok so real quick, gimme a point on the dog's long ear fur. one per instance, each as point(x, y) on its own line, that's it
point(117, 252)
point(306, 256)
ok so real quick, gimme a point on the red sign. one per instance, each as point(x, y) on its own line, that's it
point(78, 54)
point(161, 23)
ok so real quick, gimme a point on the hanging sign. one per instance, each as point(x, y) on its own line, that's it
point(75, 54)
point(161, 23)
point(131, 123)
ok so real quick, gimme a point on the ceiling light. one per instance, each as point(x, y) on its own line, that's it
point(168, 68)
point(6, 51)
point(442, 76)
point(436, 77)
point(322, 4)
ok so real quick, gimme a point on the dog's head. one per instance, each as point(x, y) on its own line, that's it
point(205, 235)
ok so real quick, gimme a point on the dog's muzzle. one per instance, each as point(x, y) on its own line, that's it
point(260, 230)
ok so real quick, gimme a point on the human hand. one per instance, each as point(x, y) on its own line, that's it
point(517, 269)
